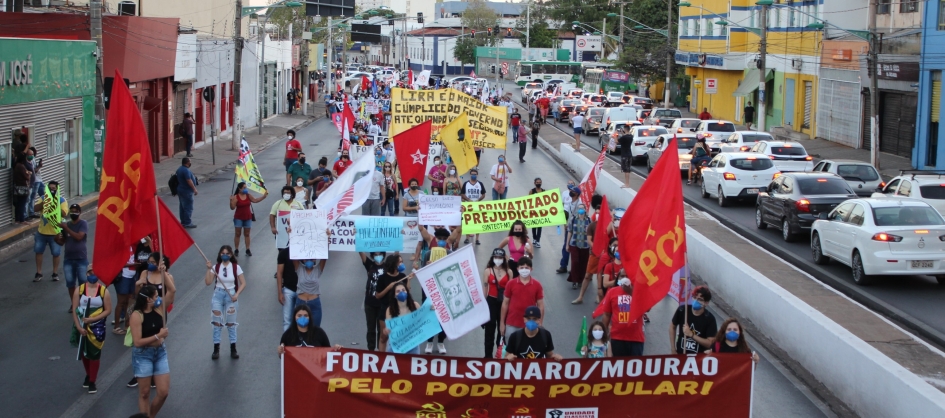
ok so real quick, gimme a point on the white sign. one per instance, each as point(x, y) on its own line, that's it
point(588, 43)
point(308, 239)
point(453, 285)
point(440, 210)
point(711, 86)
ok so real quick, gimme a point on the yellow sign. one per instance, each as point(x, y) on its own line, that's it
point(456, 138)
point(409, 108)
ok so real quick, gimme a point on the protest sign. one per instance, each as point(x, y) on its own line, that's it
point(343, 239)
point(412, 107)
point(371, 106)
point(282, 228)
point(308, 239)
point(409, 331)
point(440, 210)
point(537, 210)
point(411, 234)
point(357, 383)
point(247, 170)
point(378, 233)
point(677, 290)
point(453, 284)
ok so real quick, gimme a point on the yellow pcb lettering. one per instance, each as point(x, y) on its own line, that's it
point(458, 390)
point(686, 387)
point(368, 385)
point(648, 258)
point(623, 317)
point(113, 207)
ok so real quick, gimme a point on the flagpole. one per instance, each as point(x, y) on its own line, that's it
point(160, 233)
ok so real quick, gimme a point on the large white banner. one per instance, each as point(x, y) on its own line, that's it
point(350, 190)
point(453, 284)
point(308, 239)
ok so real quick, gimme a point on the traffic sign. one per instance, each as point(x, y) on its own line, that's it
point(711, 86)
point(505, 67)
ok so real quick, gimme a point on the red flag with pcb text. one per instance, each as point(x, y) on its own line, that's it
point(653, 233)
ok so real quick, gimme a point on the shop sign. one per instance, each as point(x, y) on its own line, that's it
point(905, 71)
point(16, 72)
point(33, 70)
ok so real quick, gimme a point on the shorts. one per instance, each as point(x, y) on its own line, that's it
point(626, 164)
point(288, 162)
point(578, 130)
point(592, 262)
point(149, 361)
point(697, 161)
point(40, 241)
point(239, 223)
point(124, 285)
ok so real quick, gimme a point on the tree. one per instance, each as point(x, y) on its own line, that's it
point(480, 16)
point(591, 12)
point(644, 52)
point(465, 50)
point(540, 35)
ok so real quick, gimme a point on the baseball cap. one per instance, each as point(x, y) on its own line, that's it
point(623, 282)
point(498, 252)
point(532, 312)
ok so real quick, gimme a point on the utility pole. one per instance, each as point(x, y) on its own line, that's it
point(874, 87)
point(669, 47)
point(528, 27)
point(261, 31)
point(603, 40)
point(237, 74)
point(344, 48)
point(95, 24)
point(305, 76)
point(622, 24)
point(762, 65)
point(330, 65)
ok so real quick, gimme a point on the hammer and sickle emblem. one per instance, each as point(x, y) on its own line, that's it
point(650, 258)
point(114, 206)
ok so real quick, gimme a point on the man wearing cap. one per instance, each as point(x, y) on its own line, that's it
point(626, 334)
point(77, 255)
point(531, 342)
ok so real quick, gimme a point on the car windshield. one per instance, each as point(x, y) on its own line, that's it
point(532, 86)
point(935, 191)
point(823, 185)
point(686, 143)
point(692, 123)
point(720, 127)
point(906, 216)
point(752, 138)
point(751, 164)
point(786, 150)
point(859, 172)
point(669, 113)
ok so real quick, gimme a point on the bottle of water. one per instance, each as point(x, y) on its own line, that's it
point(559, 229)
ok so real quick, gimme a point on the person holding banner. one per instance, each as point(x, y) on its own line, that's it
point(303, 333)
point(578, 244)
point(228, 276)
point(536, 232)
point(393, 274)
point(598, 342)
point(400, 303)
point(473, 191)
point(242, 202)
point(533, 341)
point(731, 339)
point(411, 203)
point(308, 288)
point(373, 308)
point(280, 211)
point(497, 275)
point(91, 305)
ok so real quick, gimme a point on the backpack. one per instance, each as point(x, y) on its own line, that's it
point(172, 183)
point(236, 280)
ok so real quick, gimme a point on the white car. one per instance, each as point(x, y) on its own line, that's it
point(614, 98)
point(643, 137)
point(686, 125)
point(611, 131)
point(882, 236)
point(715, 130)
point(456, 80)
point(860, 175)
point(929, 188)
point(684, 144)
point(529, 88)
point(742, 141)
point(575, 93)
point(737, 175)
point(787, 155)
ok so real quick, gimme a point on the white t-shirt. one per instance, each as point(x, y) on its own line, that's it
point(225, 275)
point(376, 183)
point(577, 121)
point(499, 171)
point(566, 200)
point(129, 272)
point(473, 192)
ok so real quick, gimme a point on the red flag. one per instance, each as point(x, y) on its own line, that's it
point(126, 210)
point(410, 79)
point(600, 234)
point(347, 118)
point(653, 233)
point(176, 239)
point(365, 84)
point(589, 183)
point(412, 147)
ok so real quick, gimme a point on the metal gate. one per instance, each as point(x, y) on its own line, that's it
point(838, 113)
point(808, 93)
point(180, 104)
point(897, 123)
point(866, 126)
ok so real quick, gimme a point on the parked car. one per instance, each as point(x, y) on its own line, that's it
point(927, 187)
point(684, 125)
point(861, 176)
point(621, 114)
point(580, 108)
point(662, 116)
point(881, 236)
point(565, 109)
point(643, 137)
point(737, 175)
point(794, 201)
point(593, 119)
point(787, 155)
point(742, 141)
point(610, 130)
point(529, 88)
point(684, 144)
point(614, 98)
point(455, 81)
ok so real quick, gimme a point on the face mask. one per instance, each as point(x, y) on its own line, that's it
point(92, 278)
point(437, 162)
point(29, 158)
point(287, 196)
point(501, 160)
point(309, 264)
point(731, 336)
point(524, 272)
point(538, 185)
point(696, 305)
point(152, 267)
point(517, 233)
point(401, 268)
point(378, 152)
point(301, 161)
point(402, 296)
point(414, 187)
point(441, 243)
point(302, 321)
point(598, 334)
point(531, 325)
point(452, 172)
point(617, 255)
point(225, 257)
point(299, 183)
point(581, 211)
point(244, 191)
point(473, 176)
point(291, 136)
point(378, 259)
point(74, 216)
point(498, 261)
point(158, 302)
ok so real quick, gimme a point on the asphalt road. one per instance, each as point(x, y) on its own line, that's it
point(40, 372)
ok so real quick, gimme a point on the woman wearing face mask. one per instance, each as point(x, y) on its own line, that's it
point(228, 276)
point(598, 342)
point(452, 184)
point(303, 333)
point(411, 203)
point(149, 355)
point(391, 185)
point(578, 244)
point(301, 193)
point(497, 274)
point(731, 339)
point(155, 274)
point(309, 288)
point(242, 202)
point(437, 175)
point(536, 232)
point(393, 274)
point(400, 303)
point(91, 305)
point(518, 244)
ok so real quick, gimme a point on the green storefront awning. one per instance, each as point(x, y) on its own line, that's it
point(750, 82)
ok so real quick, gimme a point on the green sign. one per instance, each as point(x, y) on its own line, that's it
point(33, 70)
point(536, 211)
point(504, 53)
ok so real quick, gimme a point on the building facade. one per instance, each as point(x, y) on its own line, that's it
point(928, 153)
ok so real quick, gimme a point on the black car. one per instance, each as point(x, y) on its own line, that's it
point(566, 107)
point(794, 200)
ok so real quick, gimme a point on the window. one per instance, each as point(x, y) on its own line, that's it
point(823, 185)
point(708, 27)
point(856, 216)
point(4, 156)
point(883, 7)
point(909, 6)
point(787, 187)
point(941, 15)
point(791, 21)
point(751, 18)
point(55, 144)
point(891, 187)
point(842, 213)
point(905, 189)
point(697, 22)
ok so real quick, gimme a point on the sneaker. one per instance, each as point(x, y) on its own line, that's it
point(236, 253)
point(39, 276)
point(92, 388)
point(537, 244)
point(477, 242)
point(249, 253)
point(441, 348)
point(85, 383)
point(133, 383)
point(574, 286)
point(191, 226)
point(464, 242)
point(646, 319)
point(429, 349)
point(55, 277)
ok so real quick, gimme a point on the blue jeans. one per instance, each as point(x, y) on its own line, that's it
point(515, 134)
point(223, 311)
point(186, 198)
point(40, 241)
point(150, 361)
point(74, 270)
point(388, 207)
point(36, 190)
point(315, 305)
point(565, 255)
point(287, 308)
point(497, 196)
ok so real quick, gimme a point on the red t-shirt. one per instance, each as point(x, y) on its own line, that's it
point(493, 292)
point(340, 166)
point(521, 296)
point(617, 304)
point(289, 151)
point(515, 120)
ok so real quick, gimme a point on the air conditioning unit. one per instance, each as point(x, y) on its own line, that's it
point(797, 64)
point(127, 8)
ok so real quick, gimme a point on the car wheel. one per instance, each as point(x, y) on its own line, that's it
point(705, 193)
point(816, 251)
point(859, 274)
point(786, 230)
point(759, 219)
point(723, 202)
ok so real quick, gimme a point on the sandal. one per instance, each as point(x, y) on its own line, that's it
point(118, 331)
point(37, 277)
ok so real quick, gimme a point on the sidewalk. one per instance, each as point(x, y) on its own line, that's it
point(16, 238)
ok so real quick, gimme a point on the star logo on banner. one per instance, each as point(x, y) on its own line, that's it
point(418, 157)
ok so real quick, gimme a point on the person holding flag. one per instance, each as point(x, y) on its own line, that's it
point(90, 308)
point(242, 202)
point(693, 328)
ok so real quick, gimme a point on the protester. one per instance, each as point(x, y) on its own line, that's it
point(298, 173)
point(76, 249)
point(21, 191)
point(287, 286)
point(536, 232)
point(390, 190)
point(320, 178)
point(186, 190)
point(473, 191)
point(693, 327)
point(149, 355)
point(518, 244)
point(536, 126)
point(577, 122)
point(373, 308)
point(627, 336)
point(625, 140)
point(567, 200)
point(598, 342)
point(187, 128)
point(705, 115)
point(578, 245)
point(393, 274)
point(341, 165)
point(400, 303)
point(377, 197)
point(411, 202)
point(433, 248)
point(437, 175)
point(124, 287)
point(230, 282)
point(90, 308)
point(49, 228)
point(520, 293)
point(158, 276)
point(243, 218)
point(497, 274)
point(522, 141)
point(500, 176)
point(286, 204)
point(731, 339)
point(613, 268)
point(532, 341)
point(515, 119)
point(452, 185)
point(593, 261)
point(36, 181)
point(303, 333)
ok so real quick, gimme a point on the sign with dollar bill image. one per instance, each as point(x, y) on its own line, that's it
point(453, 284)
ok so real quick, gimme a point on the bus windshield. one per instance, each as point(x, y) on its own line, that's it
point(525, 70)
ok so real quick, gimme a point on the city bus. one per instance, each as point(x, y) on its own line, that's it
point(603, 81)
point(543, 71)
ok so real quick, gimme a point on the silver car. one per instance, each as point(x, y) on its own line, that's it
point(684, 143)
point(861, 176)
